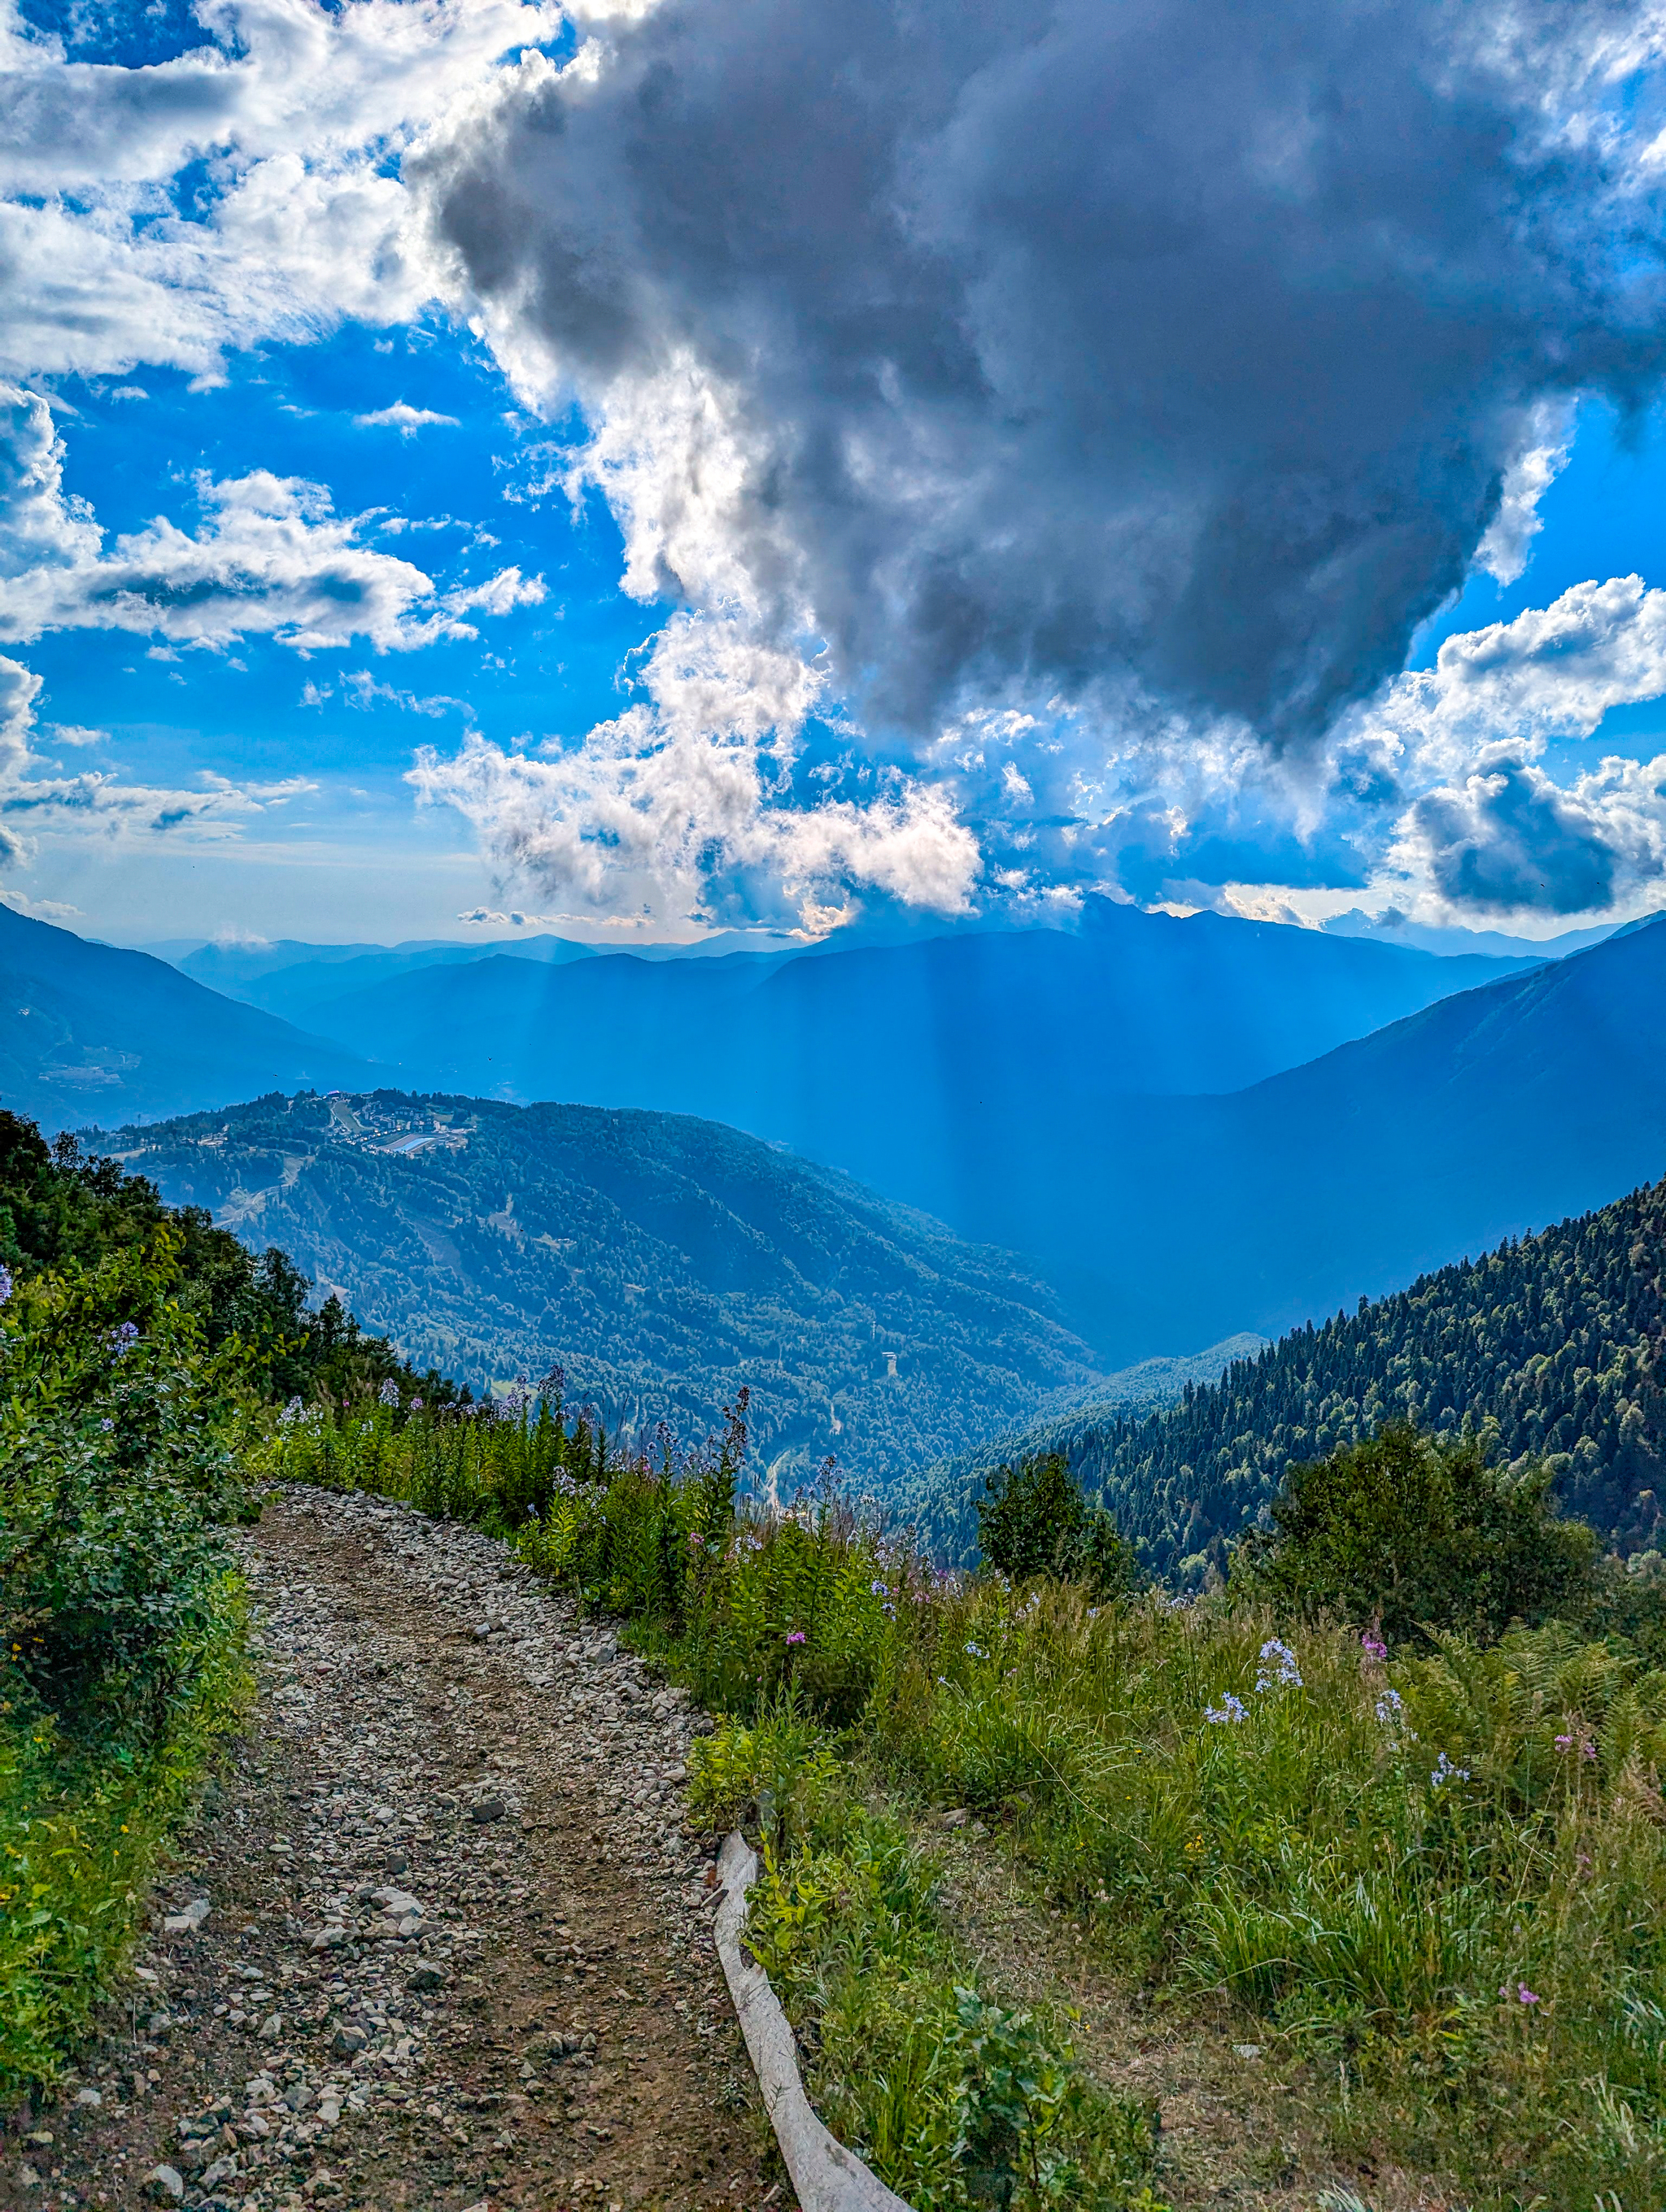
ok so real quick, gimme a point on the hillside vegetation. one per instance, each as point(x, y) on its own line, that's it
point(138, 1348)
point(1552, 1342)
point(660, 1261)
point(1426, 1875)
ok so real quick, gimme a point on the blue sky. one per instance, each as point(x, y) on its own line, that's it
point(781, 521)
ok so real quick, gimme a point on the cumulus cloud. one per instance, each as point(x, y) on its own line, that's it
point(269, 557)
point(297, 113)
point(682, 805)
point(1446, 771)
point(33, 796)
point(403, 418)
point(1046, 348)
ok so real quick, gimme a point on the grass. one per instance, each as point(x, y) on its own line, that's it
point(83, 1826)
point(1435, 1876)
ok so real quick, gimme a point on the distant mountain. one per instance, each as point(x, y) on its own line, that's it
point(1485, 1115)
point(923, 1068)
point(295, 979)
point(1558, 1340)
point(1393, 928)
point(663, 1261)
point(89, 1032)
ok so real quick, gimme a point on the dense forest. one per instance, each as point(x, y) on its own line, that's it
point(1553, 1341)
point(662, 1262)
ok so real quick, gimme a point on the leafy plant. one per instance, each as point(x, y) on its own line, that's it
point(1033, 1520)
point(1418, 1534)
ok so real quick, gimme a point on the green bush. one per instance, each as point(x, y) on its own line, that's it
point(1033, 1519)
point(120, 1620)
point(1415, 1535)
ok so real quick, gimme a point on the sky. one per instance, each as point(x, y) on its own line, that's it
point(647, 469)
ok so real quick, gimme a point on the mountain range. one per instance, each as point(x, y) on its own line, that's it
point(662, 1262)
point(90, 1030)
point(1188, 1126)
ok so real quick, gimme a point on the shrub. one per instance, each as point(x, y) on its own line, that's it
point(1033, 1520)
point(1420, 1535)
point(120, 1621)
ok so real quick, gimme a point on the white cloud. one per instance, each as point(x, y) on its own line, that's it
point(269, 557)
point(38, 909)
point(1503, 552)
point(677, 808)
point(300, 114)
point(404, 419)
point(32, 796)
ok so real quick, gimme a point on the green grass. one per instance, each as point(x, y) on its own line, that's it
point(82, 1827)
point(1438, 1874)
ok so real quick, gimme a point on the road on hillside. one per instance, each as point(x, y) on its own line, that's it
point(438, 1940)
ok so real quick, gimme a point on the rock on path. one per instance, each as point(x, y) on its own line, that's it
point(439, 1940)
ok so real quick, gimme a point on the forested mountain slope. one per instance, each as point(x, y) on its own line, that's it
point(89, 1029)
point(662, 1262)
point(1555, 1339)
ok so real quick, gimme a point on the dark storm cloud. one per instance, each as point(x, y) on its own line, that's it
point(1187, 341)
point(1511, 839)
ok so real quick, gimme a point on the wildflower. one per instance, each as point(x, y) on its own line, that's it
point(1230, 1709)
point(796, 1636)
point(1588, 1749)
point(1443, 1771)
point(878, 1589)
point(107, 1424)
point(889, 1611)
point(1525, 1995)
point(389, 1393)
point(976, 1651)
point(122, 1340)
point(292, 1412)
point(1565, 1743)
point(1287, 1675)
point(416, 1405)
point(5, 1285)
point(697, 1541)
point(1389, 1707)
point(1372, 1645)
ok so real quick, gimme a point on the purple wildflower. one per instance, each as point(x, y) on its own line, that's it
point(1287, 1671)
point(122, 1340)
point(1372, 1645)
point(1443, 1771)
point(107, 1424)
point(1230, 1709)
point(5, 1285)
point(796, 1636)
point(389, 1393)
point(1525, 1995)
point(1565, 1743)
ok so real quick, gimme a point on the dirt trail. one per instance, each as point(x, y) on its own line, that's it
point(456, 1951)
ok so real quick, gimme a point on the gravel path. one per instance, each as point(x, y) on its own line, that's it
point(439, 1940)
